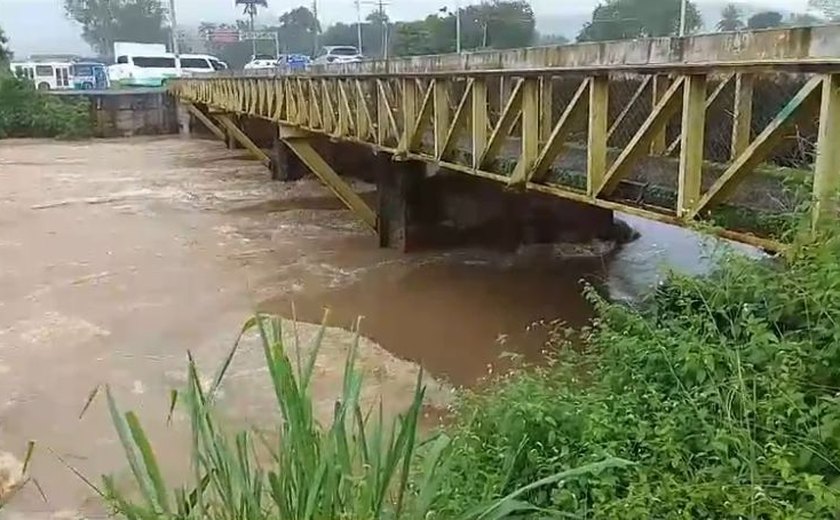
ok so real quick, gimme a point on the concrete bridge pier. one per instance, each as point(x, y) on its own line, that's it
point(399, 201)
point(419, 206)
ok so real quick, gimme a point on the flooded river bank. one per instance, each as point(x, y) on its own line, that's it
point(119, 256)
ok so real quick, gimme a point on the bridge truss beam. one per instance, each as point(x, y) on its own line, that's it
point(606, 138)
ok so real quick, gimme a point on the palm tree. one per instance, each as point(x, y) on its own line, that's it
point(731, 19)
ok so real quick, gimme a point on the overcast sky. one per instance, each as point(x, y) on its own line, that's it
point(39, 26)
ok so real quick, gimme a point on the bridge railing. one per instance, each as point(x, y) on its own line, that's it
point(742, 144)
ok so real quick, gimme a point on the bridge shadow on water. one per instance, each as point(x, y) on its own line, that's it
point(459, 313)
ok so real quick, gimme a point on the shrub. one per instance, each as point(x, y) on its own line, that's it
point(723, 390)
point(26, 112)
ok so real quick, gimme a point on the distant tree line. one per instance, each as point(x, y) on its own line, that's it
point(491, 24)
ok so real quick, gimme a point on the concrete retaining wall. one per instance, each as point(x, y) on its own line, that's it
point(124, 113)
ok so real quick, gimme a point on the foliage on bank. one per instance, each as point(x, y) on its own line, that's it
point(26, 112)
point(723, 391)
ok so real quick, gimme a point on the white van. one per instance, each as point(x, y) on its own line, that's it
point(200, 63)
point(143, 70)
point(47, 75)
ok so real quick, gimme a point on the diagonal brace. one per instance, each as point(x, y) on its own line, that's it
point(244, 140)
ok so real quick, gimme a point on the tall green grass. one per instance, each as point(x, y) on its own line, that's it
point(356, 467)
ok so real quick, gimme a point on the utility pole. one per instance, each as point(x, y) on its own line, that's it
point(458, 27)
point(173, 22)
point(359, 26)
point(384, 23)
point(317, 29)
point(683, 17)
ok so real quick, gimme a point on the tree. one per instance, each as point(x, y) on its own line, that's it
point(5, 53)
point(497, 25)
point(829, 8)
point(412, 39)
point(731, 19)
point(106, 21)
point(628, 19)
point(298, 31)
point(765, 20)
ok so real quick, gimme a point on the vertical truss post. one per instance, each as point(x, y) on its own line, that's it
point(441, 113)
point(692, 140)
point(479, 120)
point(659, 145)
point(409, 109)
point(599, 101)
point(530, 130)
point(827, 166)
point(546, 107)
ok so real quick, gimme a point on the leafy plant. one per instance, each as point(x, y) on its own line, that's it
point(350, 469)
point(26, 112)
point(723, 391)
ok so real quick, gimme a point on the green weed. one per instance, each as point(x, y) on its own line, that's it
point(353, 468)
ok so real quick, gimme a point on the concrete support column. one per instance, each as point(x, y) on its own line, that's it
point(230, 140)
point(285, 165)
point(398, 193)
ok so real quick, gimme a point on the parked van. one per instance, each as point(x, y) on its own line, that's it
point(46, 75)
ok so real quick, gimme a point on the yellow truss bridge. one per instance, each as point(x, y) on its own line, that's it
point(737, 129)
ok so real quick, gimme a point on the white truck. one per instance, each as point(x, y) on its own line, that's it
point(142, 65)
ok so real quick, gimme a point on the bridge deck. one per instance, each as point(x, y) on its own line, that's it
point(741, 143)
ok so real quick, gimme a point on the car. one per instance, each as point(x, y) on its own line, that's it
point(261, 61)
point(338, 54)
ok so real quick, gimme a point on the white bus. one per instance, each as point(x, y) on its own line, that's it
point(46, 75)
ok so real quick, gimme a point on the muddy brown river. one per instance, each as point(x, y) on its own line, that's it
point(116, 257)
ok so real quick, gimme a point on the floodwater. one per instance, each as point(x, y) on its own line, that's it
point(117, 257)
